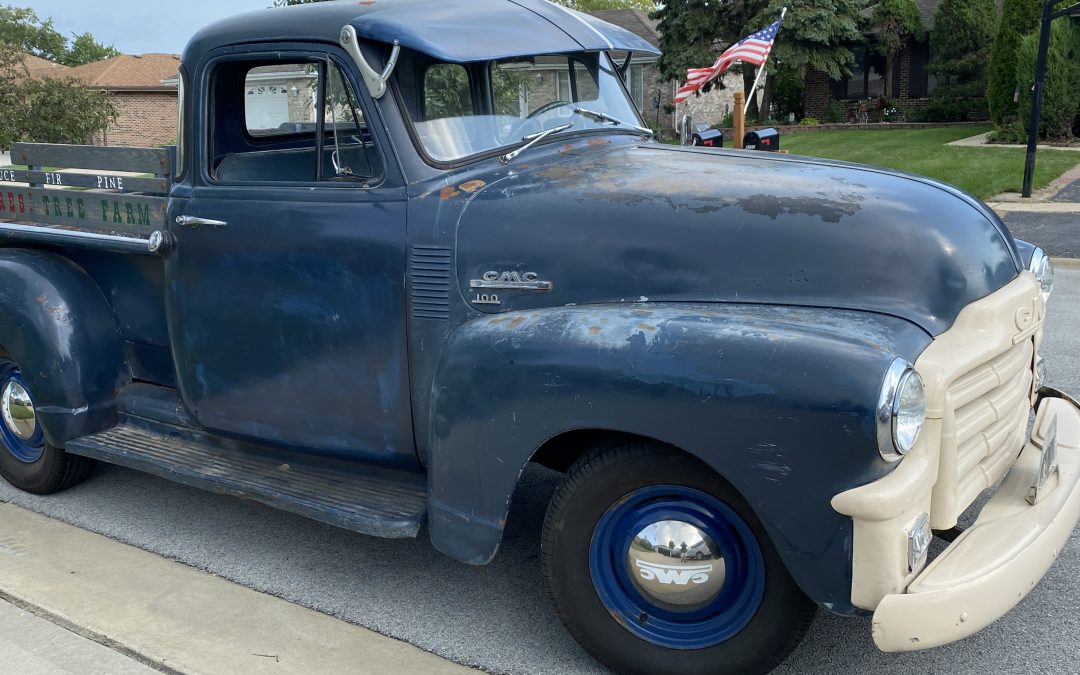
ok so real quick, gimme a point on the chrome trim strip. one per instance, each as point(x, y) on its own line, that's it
point(46, 235)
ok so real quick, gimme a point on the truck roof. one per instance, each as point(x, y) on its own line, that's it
point(450, 30)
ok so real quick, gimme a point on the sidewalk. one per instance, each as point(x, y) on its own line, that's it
point(32, 645)
point(103, 605)
point(1050, 218)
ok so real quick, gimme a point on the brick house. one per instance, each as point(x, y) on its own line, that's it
point(912, 84)
point(146, 104)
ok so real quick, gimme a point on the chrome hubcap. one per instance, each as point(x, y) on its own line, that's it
point(18, 411)
point(676, 565)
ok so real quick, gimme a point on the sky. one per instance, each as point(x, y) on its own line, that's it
point(137, 26)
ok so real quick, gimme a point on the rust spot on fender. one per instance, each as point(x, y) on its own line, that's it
point(517, 321)
point(497, 320)
point(567, 148)
point(593, 330)
point(646, 326)
point(41, 299)
point(472, 186)
point(599, 141)
point(448, 192)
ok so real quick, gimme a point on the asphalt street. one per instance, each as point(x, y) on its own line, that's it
point(498, 617)
point(1057, 233)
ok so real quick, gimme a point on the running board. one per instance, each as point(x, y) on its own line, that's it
point(380, 503)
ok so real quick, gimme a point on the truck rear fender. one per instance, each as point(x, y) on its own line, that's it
point(57, 325)
point(778, 400)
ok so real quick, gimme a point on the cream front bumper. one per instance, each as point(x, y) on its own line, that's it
point(988, 569)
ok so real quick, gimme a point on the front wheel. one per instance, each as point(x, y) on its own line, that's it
point(614, 559)
point(27, 460)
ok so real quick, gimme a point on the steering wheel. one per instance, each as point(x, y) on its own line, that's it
point(546, 107)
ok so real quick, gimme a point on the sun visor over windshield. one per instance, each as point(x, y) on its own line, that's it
point(459, 31)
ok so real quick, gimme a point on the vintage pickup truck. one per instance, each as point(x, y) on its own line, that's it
point(403, 249)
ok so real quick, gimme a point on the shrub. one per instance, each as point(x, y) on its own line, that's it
point(834, 112)
point(787, 94)
point(809, 122)
point(1018, 17)
point(1061, 87)
point(1012, 132)
point(960, 44)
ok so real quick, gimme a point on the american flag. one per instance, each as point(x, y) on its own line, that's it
point(754, 49)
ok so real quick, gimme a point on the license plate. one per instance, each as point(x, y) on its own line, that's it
point(1047, 465)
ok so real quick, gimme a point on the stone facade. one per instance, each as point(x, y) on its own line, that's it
point(145, 119)
point(712, 107)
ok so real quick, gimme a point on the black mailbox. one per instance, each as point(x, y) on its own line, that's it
point(762, 139)
point(709, 138)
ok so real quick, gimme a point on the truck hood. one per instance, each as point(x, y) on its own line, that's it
point(652, 223)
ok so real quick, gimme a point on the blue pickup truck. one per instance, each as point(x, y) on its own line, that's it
point(402, 249)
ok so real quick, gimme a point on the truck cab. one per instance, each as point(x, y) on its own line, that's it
point(402, 249)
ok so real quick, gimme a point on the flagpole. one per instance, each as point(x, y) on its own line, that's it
point(760, 72)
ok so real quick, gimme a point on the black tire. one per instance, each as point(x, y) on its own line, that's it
point(600, 480)
point(48, 469)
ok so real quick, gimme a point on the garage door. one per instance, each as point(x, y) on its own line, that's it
point(266, 107)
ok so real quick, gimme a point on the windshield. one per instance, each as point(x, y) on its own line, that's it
point(461, 110)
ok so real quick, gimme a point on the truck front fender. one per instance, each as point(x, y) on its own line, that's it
point(778, 400)
point(56, 324)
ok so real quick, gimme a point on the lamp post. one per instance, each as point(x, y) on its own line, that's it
point(1049, 14)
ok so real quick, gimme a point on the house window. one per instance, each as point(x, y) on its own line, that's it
point(636, 84)
point(562, 86)
point(867, 79)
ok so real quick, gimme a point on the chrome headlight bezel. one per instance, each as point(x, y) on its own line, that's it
point(901, 378)
point(1043, 269)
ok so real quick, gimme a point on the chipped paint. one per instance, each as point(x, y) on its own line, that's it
point(448, 192)
point(472, 186)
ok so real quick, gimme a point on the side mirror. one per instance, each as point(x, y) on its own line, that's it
point(375, 81)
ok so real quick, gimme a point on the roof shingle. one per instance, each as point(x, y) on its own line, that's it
point(129, 72)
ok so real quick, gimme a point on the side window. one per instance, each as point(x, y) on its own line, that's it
point(289, 122)
point(447, 92)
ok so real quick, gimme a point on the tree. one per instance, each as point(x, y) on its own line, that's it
point(85, 49)
point(960, 49)
point(1061, 86)
point(819, 34)
point(27, 33)
point(24, 31)
point(897, 22)
point(52, 110)
point(1018, 18)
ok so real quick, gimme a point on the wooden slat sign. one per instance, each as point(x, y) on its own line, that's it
point(101, 181)
point(137, 160)
point(99, 212)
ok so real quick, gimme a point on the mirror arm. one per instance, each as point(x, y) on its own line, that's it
point(375, 81)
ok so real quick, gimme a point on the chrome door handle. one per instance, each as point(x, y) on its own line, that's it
point(192, 221)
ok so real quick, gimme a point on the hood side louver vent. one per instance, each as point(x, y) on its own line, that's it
point(429, 282)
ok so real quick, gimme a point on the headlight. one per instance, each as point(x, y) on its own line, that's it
point(1043, 270)
point(901, 410)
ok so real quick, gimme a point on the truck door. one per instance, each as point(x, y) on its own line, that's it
point(286, 296)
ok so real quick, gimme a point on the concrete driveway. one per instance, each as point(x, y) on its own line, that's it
point(498, 617)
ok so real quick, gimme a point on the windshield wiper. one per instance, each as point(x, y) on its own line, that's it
point(533, 139)
point(608, 119)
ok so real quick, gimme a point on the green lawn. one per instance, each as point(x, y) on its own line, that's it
point(983, 172)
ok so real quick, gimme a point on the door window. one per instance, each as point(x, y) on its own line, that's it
point(289, 122)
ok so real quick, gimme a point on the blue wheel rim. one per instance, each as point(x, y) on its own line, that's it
point(716, 622)
point(26, 450)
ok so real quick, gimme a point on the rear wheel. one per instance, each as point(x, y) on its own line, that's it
point(27, 460)
point(655, 564)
